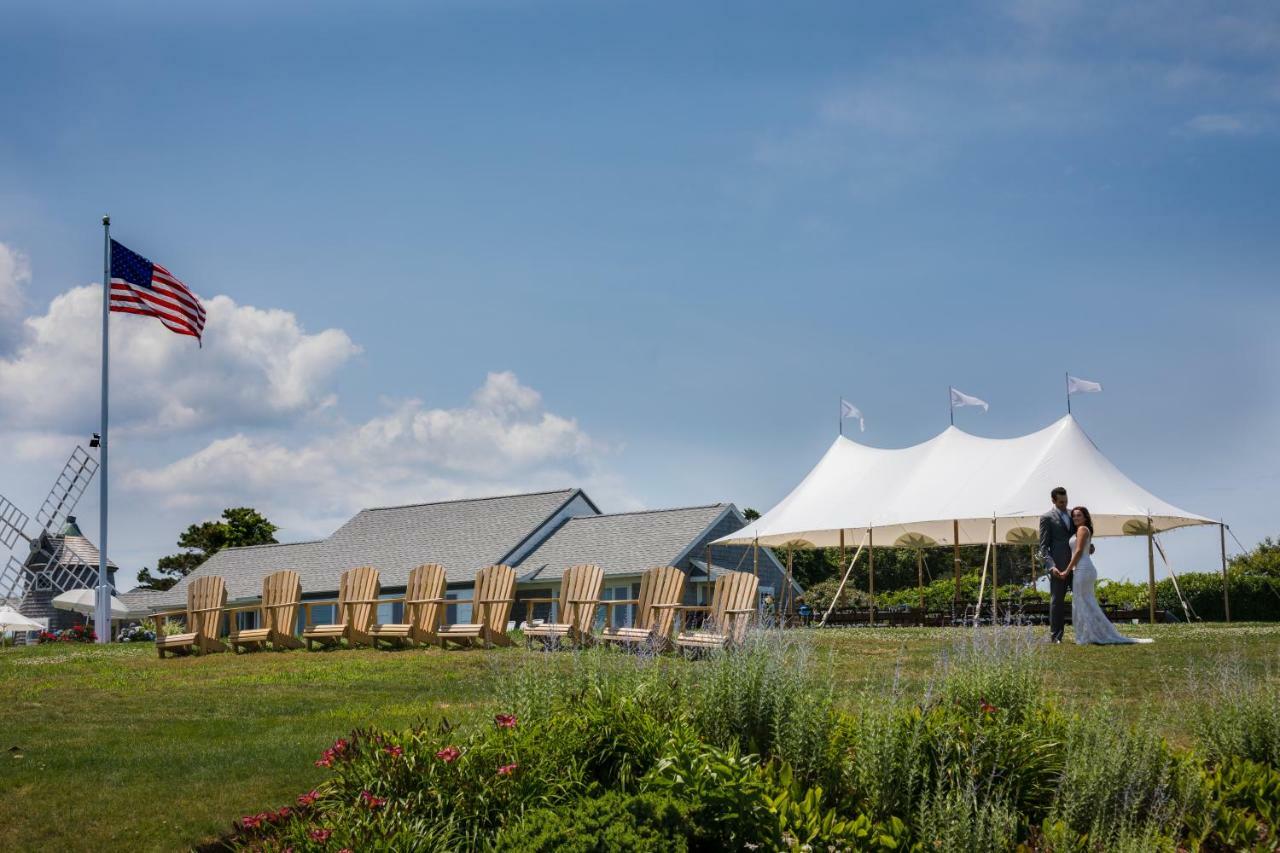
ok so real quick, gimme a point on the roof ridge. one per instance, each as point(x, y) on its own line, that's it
point(569, 490)
point(271, 545)
point(648, 511)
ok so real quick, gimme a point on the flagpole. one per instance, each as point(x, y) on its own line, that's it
point(951, 404)
point(1068, 381)
point(102, 609)
point(840, 409)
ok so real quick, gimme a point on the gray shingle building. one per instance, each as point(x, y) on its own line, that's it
point(539, 534)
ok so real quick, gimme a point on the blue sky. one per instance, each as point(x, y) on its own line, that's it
point(644, 248)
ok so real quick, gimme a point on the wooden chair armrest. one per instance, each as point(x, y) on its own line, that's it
point(165, 614)
point(281, 604)
point(622, 601)
point(368, 600)
point(672, 606)
point(424, 600)
point(741, 610)
point(693, 607)
point(462, 601)
point(209, 609)
point(540, 600)
point(496, 601)
point(585, 601)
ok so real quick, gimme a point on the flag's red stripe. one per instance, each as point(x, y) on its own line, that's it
point(189, 302)
point(156, 308)
point(159, 299)
point(172, 284)
point(180, 330)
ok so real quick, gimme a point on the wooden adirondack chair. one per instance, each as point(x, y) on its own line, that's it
point(661, 590)
point(357, 605)
point(733, 603)
point(423, 605)
point(206, 598)
point(579, 598)
point(281, 598)
point(490, 610)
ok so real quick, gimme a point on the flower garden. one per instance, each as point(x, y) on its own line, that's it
point(832, 740)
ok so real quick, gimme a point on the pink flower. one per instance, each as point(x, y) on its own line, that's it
point(505, 721)
point(987, 708)
point(345, 850)
point(321, 835)
point(370, 800)
point(393, 751)
point(449, 754)
point(507, 769)
point(250, 821)
point(340, 745)
point(324, 762)
point(283, 813)
point(308, 798)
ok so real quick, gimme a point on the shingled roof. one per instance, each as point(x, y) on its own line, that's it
point(462, 535)
point(625, 543)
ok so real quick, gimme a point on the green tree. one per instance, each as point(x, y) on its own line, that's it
point(238, 527)
point(1264, 559)
point(750, 514)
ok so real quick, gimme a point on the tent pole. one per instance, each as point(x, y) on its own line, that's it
point(755, 558)
point(786, 593)
point(871, 572)
point(920, 574)
point(1151, 572)
point(1226, 598)
point(842, 546)
point(995, 571)
point(955, 538)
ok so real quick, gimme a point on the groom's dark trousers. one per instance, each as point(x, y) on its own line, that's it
point(1055, 550)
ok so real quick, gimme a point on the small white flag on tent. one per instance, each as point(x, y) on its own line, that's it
point(959, 398)
point(849, 410)
point(1076, 385)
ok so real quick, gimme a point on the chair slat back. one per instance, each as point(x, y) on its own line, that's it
point(358, 585)
point(580, 583)
point(734, 591)
point(426, 581)
point(659, 585)
point(281, 588)
point(206, 592)
point(494, 582)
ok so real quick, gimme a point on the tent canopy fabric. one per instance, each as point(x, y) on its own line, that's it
point(921, 491)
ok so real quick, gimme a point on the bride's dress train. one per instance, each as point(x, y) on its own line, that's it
point(1088, 622)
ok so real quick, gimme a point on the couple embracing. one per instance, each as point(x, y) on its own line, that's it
point(1066, 545)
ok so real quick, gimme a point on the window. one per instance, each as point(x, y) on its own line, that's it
point(44, 583)
point(622, 616)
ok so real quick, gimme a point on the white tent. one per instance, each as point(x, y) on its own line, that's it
point(959, 482)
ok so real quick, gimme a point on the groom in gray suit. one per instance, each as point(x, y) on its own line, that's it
point(1055, 549)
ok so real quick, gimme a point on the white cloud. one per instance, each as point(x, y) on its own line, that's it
point(15, 272)
point(257, 366)
point(1224, 124)
point(503, 441)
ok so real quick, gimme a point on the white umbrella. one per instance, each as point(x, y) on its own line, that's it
point(12, 620)
point(83, 601)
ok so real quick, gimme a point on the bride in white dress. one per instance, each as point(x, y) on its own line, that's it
point(1088, 622)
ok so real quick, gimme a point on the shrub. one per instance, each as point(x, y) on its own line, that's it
point(643, 823)
point(1238, 716)
point(81, 633)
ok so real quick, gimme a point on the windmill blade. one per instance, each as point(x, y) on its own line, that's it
point(15, 581)
point(67, 489)
point(13, 523)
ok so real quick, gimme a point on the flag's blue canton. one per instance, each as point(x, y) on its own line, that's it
point(130, 266)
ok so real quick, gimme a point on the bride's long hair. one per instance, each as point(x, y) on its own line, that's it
point(1088, 519)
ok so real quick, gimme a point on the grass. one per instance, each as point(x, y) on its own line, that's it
point(110, 747)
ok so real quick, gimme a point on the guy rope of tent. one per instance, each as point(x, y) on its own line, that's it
point(840, 589)
point(1186, 610)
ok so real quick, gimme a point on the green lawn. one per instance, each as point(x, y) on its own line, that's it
point(111, 748)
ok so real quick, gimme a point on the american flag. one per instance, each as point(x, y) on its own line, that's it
point(139, 286)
